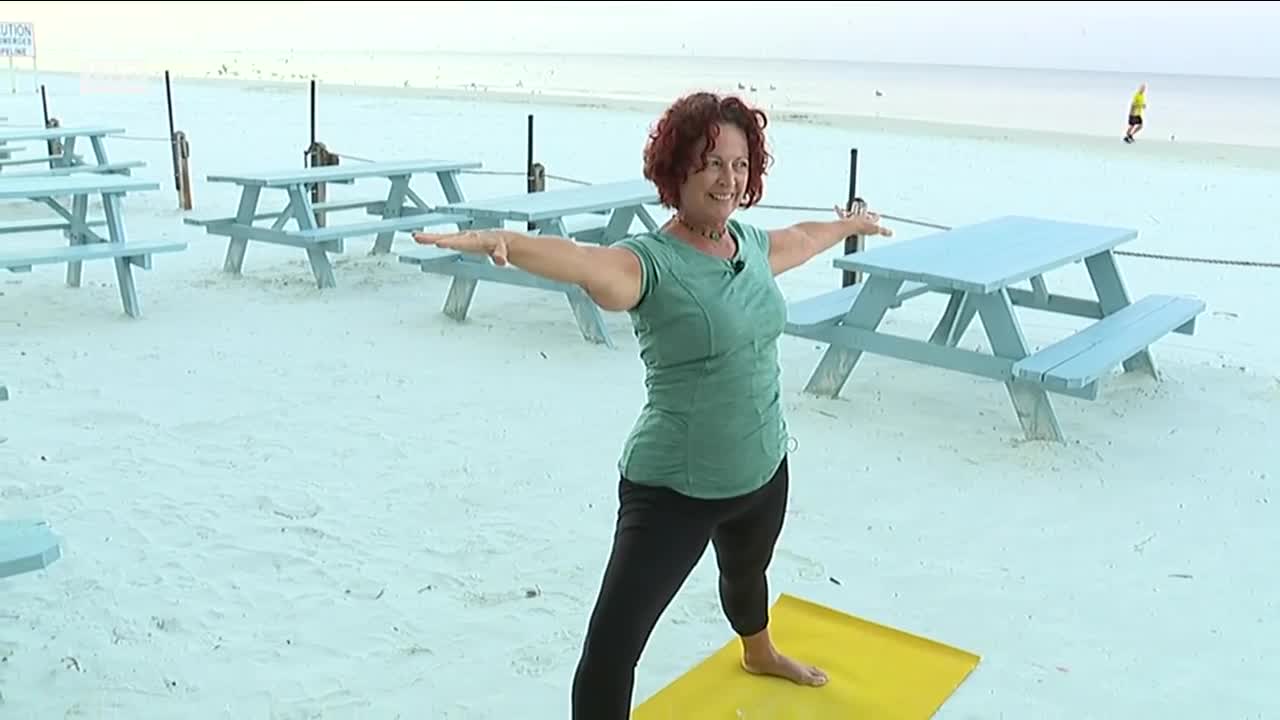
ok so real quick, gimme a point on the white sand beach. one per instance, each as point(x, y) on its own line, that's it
point(283, 503)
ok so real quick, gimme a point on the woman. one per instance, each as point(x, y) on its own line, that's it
point(706, 461)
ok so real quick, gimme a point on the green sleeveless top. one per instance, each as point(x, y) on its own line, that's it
point(712, 425)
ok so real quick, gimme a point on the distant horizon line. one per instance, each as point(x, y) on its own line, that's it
point(723, 58)
point(781, 58)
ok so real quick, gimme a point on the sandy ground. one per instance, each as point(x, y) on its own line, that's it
point(282, 503)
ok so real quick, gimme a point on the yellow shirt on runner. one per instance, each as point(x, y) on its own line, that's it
point(1139, 103)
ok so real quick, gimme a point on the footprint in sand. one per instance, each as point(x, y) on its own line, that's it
point(134, 632)
point(336, 703)
point(696, 612)
point(481, 599)
point(532, 661)
point(473, 598)
point(415, 650)
point(803, 567)
point(31, 492)
point(312, 539)
point(106, 418)
point(435, 582)
point(306, 531)
point(165, 624)
point(301, 509)
point(537, 659)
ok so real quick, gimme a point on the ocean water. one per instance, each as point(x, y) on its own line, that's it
point(1181, 108)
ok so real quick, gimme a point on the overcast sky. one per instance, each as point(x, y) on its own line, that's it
point(1154, 37)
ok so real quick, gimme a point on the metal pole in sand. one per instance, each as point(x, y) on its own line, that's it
point(853, 243)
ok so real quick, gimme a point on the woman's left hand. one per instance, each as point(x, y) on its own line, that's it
point(865, 221)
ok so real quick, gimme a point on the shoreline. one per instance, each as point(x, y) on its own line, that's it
point(1261, 157)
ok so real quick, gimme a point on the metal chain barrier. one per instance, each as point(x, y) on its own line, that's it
point(561, 178)
point(897, 218)
point(1206, 261)
point(353, 157)
point(510, 173)
point(1130, 253)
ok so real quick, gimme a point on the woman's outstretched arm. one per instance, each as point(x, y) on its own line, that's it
point(795, 245)
point(611, 276)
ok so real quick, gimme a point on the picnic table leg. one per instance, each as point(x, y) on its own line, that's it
point(1039, 290)
point(68, 156)
point(967, 312)
point(588, 316)
point(646, 219)
point(395, 202)
point(450, 186)
point(955, 320)
point(463, 290)
point(619, 225)
point(867, 312)
point(77, 234)
point(585, 311)
point(124, 266)
point(1035, 412)
point(99, 149)
point(244, 217)
point(304, 213)
point(1113, 296)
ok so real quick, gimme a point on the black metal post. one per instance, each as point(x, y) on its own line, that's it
point(174, 149)
point(313, 112)
point(530, 180)
point(529, 157)
point(853, 243)
point(52, 145)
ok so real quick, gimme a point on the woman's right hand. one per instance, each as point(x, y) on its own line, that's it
point(486, 242)
point(865, 221)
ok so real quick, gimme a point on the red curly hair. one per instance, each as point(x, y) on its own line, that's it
point(669, 155)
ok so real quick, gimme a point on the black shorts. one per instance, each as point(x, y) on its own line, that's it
point(1135, 119)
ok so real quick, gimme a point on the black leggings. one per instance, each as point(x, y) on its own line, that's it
point(660, 536)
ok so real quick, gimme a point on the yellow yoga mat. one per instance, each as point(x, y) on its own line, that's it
point(876, 673)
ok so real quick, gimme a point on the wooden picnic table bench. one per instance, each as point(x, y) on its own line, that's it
point(600, 214)
point(400, 209)
point(26, 546)
point(978, 266)
point(85, 244)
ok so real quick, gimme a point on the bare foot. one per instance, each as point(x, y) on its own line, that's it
point(778, 665)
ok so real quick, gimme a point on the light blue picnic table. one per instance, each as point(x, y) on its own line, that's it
point(978, 266)
point(26, 546)
point(74, 223)
point(7, 150)
point(65, 159)
point(399, 209)
point(600, 214)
